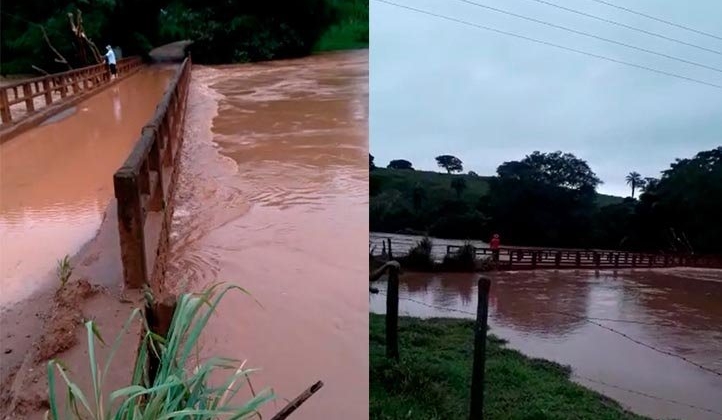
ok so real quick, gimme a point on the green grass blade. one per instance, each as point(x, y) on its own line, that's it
point(52, 395)
point(74, 390)
point(91, 330)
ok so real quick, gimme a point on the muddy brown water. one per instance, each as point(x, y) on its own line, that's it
point(273, 197)
point(56, 183)
point(544, 314)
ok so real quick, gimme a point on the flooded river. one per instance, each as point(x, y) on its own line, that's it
point(546, 314)
point(56, 180)
point(273, 197)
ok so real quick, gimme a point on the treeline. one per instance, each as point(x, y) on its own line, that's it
point(550, 199)
point(223, 31)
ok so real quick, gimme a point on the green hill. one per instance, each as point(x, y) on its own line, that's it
point(439, 184)
point(433, 202)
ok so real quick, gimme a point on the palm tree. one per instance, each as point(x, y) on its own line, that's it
point(634, 179)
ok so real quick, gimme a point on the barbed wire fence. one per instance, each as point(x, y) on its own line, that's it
point(593, 321)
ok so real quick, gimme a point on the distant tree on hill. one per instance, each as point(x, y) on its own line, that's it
point(634, 180)
point(450, 163)
point(554, 169)
point(372, 166)
point(649, 183)
point(400, 164)
point(472, 173)
point(459, 185)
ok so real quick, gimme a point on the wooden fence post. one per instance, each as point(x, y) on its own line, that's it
point(391, 255)
point(476, 411)
point(392, 314)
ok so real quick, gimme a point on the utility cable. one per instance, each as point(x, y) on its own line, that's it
point(623, 25)
point(562, 47)
point(687, 28)
point(587, 34)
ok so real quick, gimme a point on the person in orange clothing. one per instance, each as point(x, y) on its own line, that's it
point(494, 244)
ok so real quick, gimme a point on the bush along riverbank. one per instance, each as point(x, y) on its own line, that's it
point(432, 379)
point(420, 258)
point(350, 29)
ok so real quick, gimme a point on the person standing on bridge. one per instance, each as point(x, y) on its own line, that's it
point(495, 244)
point(110, 59)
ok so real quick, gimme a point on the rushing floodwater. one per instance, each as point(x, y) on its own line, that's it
point(544, 314)
point(273, 197)
point(56, 180)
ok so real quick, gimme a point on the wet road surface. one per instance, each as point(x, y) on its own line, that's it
point(56, 180)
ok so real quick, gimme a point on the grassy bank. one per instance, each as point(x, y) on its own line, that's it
point(433, 378)
point(351, 31)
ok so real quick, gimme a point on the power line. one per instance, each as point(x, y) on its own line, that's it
point(551, 44)
point(657, 19)
point(623, 25)
point(587, 34)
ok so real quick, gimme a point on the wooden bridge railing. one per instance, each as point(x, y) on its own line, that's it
point(530, 258)
point(145, 184)
point(55, 87)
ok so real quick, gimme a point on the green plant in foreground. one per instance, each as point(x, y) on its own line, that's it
point(176, 391)
point(65, 270)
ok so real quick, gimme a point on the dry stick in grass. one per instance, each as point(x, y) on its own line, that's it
point(293, 405)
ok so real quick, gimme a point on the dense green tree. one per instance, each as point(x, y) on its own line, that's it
point(223, 31)
point(372, 166)
point(450, 163)
point(682, 209)
point(400, 164)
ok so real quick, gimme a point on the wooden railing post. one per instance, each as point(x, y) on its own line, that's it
point(28, 94)
point(5, 115)
point(391, 254)
point(558, 259)
point(392, 314)
point(476, 411)
point(578, 261)
point(131, 230)
point(48, 92)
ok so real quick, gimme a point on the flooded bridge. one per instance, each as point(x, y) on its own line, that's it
point(271, 168)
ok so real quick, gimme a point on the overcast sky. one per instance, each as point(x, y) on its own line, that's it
point(440, 87)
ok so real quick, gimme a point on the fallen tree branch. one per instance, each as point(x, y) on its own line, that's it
point(293, 405)
point(40, 70)
point(61, 59)
point(77, 28)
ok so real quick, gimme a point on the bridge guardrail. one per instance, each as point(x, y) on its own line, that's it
point(69, 83)
point(520, 258)
point(145, 184)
